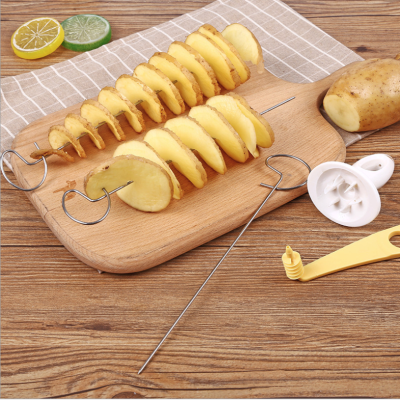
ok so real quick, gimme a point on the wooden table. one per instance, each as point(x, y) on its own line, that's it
point(67, 331)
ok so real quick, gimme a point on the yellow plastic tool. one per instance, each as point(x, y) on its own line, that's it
point(293, 264)
point(376, 247)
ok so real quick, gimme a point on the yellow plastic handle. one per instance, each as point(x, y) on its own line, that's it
point(376, 247)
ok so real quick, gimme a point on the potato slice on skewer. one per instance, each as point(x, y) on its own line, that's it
point(226, 73)
point(186, 83)
point(116, 102)
point(194, 136)
point(246, 44)
point(198, 66)
point(78, 125)
point(143, 149)
point(157, 80)
point(221, 131)
point(59, 135)
point(227, 106)
point(151, 189)
point(265, 134)
point(135, 90)
point(228, 49)
point(49, 152)
point(96, 113)
point(170, 147)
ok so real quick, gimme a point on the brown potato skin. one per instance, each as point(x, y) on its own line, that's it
point(373, 87)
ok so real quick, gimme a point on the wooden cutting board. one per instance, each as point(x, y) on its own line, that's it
point(129, 240)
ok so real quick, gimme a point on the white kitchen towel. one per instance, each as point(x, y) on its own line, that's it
point(294, 49)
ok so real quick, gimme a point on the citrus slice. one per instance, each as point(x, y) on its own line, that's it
point(85, 32)
point(37, 38)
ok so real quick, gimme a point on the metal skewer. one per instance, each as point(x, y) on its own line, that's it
point(277, 105)
point(233, 244)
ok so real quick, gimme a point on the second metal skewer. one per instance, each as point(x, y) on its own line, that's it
point(274, 188)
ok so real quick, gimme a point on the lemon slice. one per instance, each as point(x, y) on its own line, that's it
point(85, 32)
point(37, 38)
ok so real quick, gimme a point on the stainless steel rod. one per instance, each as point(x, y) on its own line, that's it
point(232, 245)
point(211, 274)
point(277, 105)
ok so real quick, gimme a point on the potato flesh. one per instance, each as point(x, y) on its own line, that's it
point(264, 133)
point(112, 100)
point(186, 83)
point(150, 190)
point(194, 136)
point(156, 80)
point(144, 150)
point(77, 125)
point(245, 43)
point(226, 74)
point(135, 90)
point(228, 49)
point(342, 113)
point(227, 106)
point(57, 138)
point(96, 113)
point(221, 131)
point(59, 135)
point(198, 66)
point(366, 97)
point(170, 147)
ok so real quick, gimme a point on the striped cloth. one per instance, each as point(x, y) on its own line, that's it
point(294, 49)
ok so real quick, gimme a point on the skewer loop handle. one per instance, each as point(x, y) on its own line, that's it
point(107, 194)
point(27, 163)
point(89, 199)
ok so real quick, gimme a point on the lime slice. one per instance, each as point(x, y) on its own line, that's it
point(37, 38)
point(85, 32)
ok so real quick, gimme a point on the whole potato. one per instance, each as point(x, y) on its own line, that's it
point(367, 96)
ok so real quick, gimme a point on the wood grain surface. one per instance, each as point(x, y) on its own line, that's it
point(69, 332)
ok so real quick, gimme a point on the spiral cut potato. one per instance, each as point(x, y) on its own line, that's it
point(151, 188)
point(227, 120)
point(158, 81)
point(242, 124)
point(77, 125)
point(226, 73)
point(229, 50)
point(116, 102)
point(185, 74)
point(246, 44)
point(168, 145)
point(59, 135)
point(202, 131)
point(198, 66)
point(221, 131)
point(185, 81)
point(136, 91)
point(96, 113)
point(195, 137)
point(143, 149)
